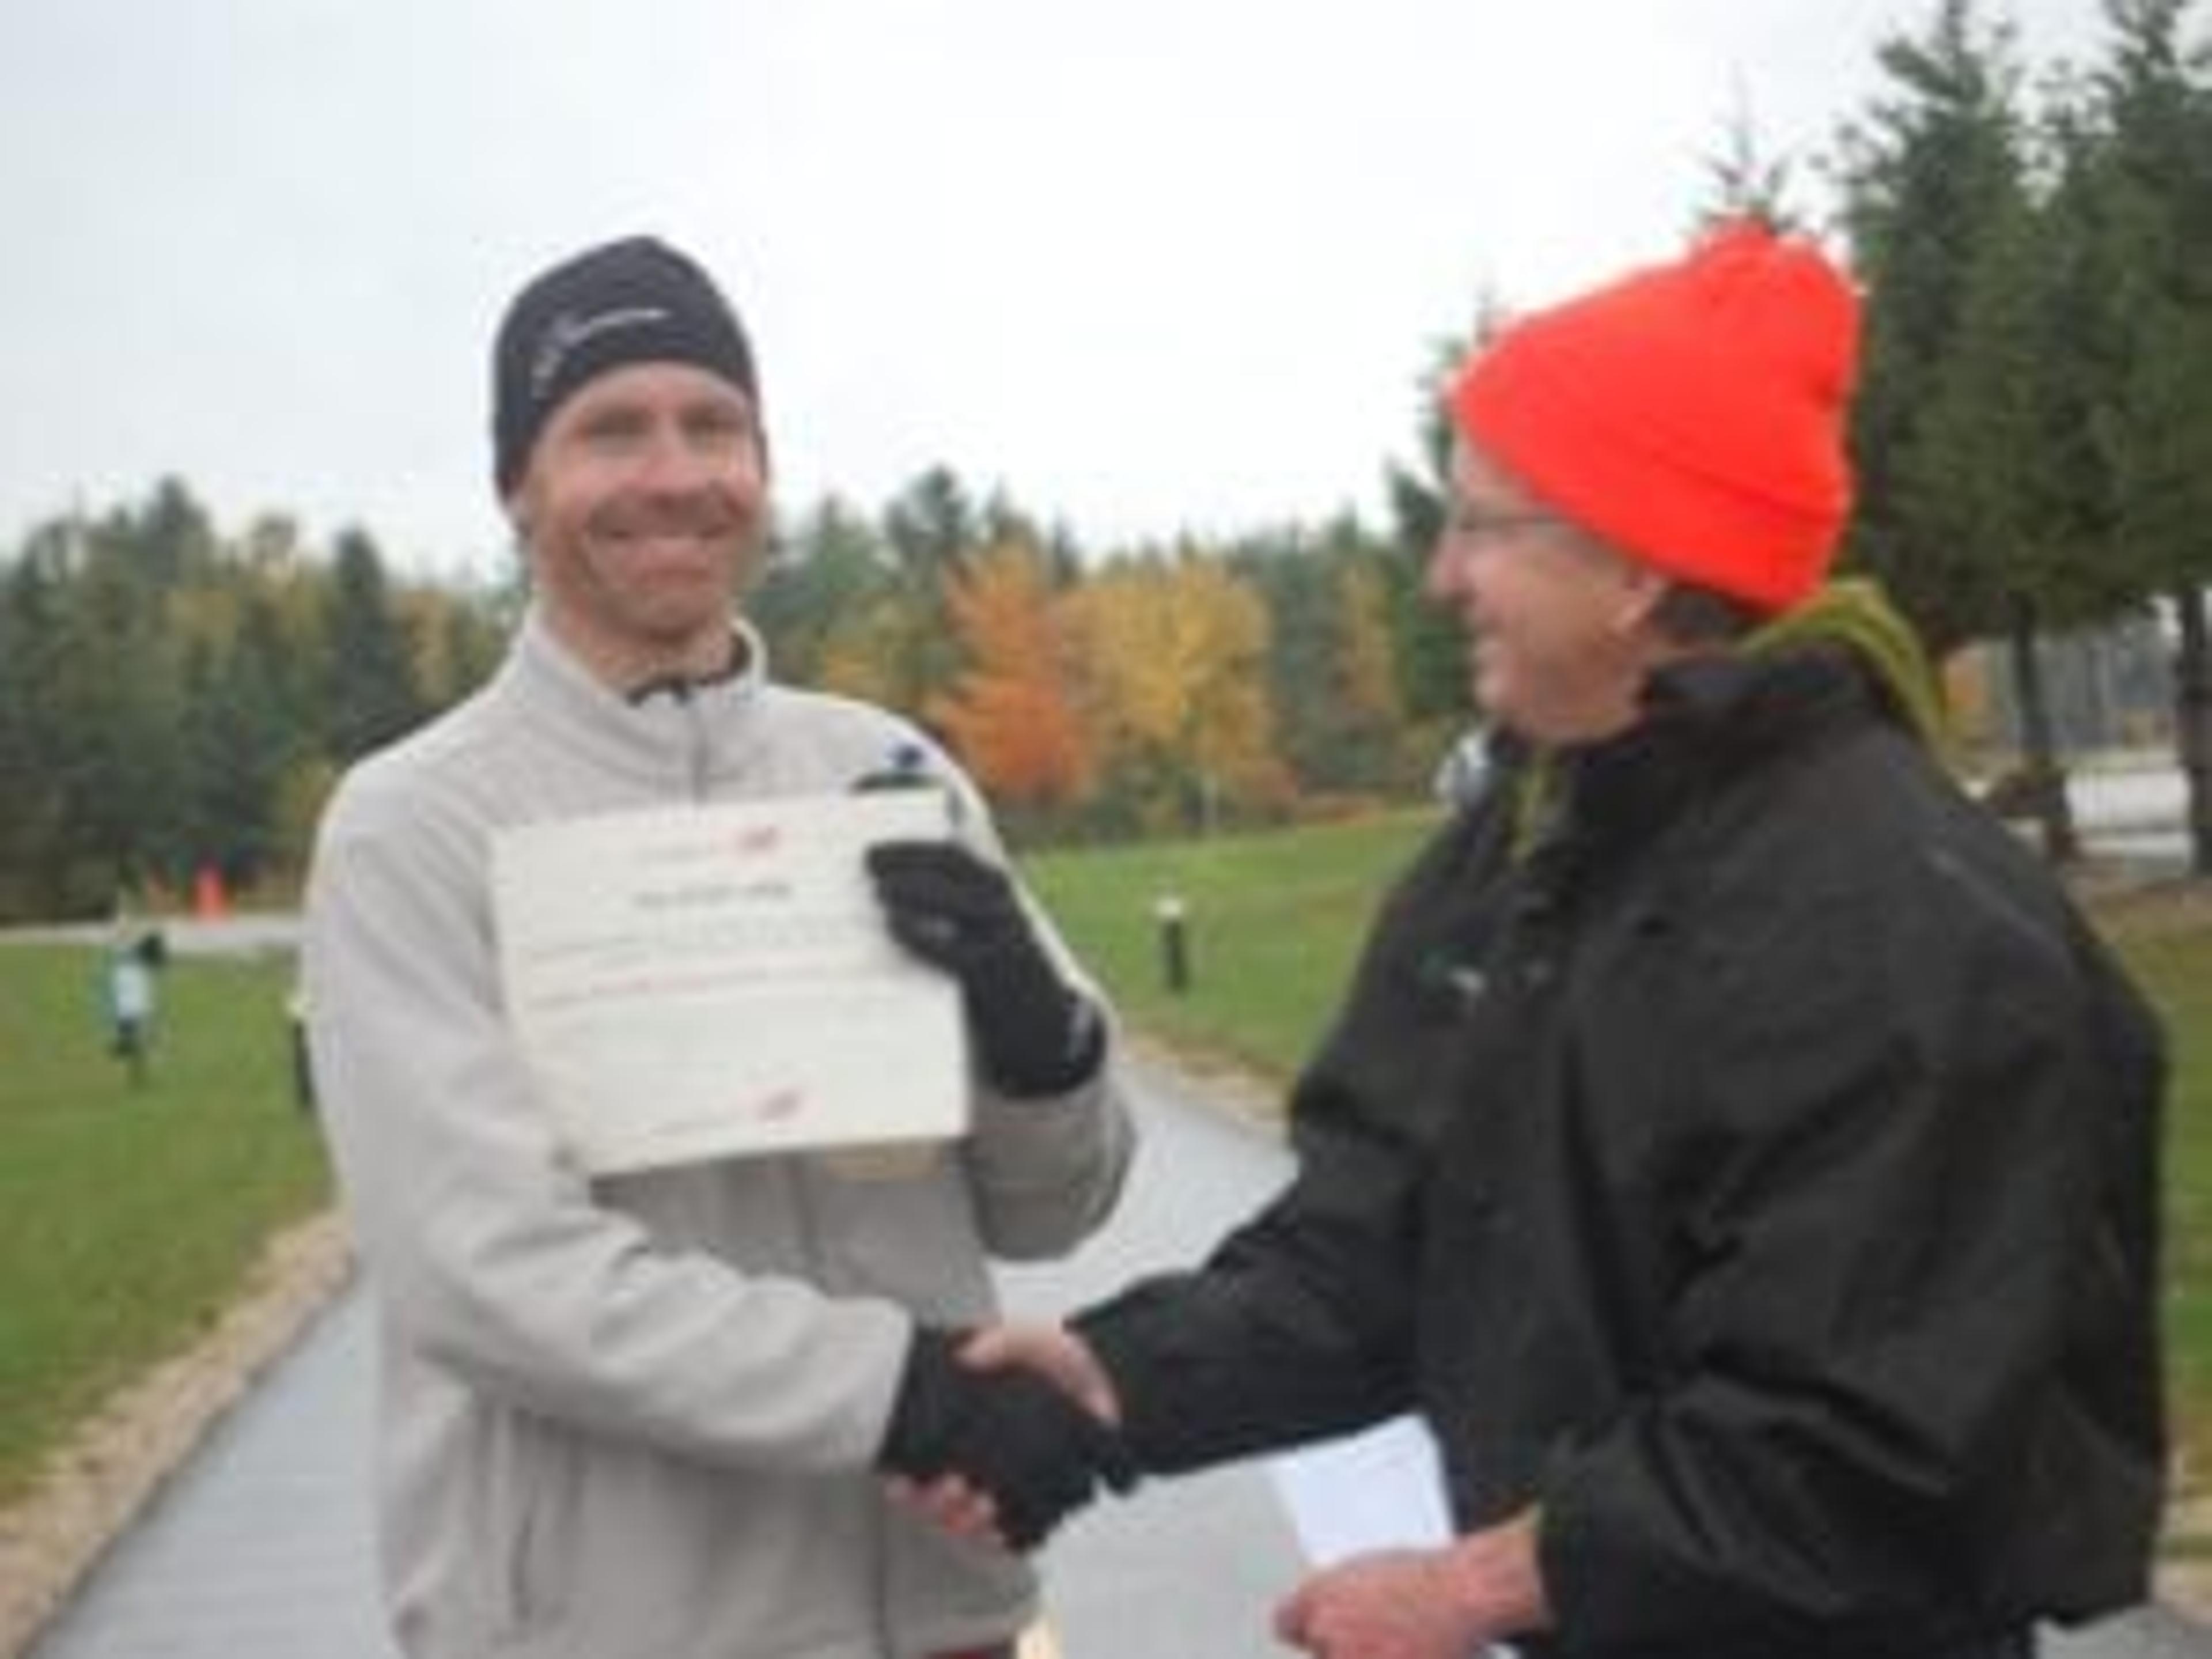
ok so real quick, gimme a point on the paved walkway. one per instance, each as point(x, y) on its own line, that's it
point(260, 1547)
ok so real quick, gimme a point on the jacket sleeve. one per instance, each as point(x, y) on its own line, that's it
point(1298, 1326)
point(489, 1255)
point(1892, 1233)
point(1044, 1174)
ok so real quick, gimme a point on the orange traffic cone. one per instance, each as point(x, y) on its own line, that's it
point(209, 902)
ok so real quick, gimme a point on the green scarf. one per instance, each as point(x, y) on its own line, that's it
point(1856, 613)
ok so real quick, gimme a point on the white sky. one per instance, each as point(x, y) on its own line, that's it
point(1153, 265)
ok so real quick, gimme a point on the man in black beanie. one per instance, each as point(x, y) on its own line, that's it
point(659, 1412)
point(633, 301)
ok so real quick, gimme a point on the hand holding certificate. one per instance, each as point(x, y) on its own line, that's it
point(1379, 1489)
point(1369, 1495)
point(715, 981)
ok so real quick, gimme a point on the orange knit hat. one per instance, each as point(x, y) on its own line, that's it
point(1691, 414)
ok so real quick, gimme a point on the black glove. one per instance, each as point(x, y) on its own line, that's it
point(1035, 1034)
point(1011, 1433)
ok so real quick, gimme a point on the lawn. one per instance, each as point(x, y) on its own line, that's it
point(2167, 938)
point(128, 1216)
point(1271, 923)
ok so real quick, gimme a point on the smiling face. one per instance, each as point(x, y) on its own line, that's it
point(643, 505)
point(1558, 624)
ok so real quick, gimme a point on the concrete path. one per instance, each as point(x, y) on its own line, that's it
point(260, 1547)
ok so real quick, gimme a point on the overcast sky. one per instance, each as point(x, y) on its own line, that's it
point(1151, 265)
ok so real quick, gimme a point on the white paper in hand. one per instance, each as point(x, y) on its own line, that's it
point(1381, 1489)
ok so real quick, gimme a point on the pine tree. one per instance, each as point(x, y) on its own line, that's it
point(2153, 214)
point(372, 694)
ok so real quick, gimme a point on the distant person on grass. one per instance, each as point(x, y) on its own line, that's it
point(130, 995)
point(1733, 1145)
point(657, 1415)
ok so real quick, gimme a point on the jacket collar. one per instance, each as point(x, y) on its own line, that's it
point(677, 743)
point(1706, 719)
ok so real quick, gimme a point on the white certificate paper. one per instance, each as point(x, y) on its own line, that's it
point(1381, 1489)
point(1376, 1490)
point(700, 983)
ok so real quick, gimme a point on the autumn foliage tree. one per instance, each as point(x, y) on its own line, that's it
point(1011, 712)
point(1173, 654)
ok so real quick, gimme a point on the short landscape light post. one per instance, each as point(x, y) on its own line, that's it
point(1174, 942)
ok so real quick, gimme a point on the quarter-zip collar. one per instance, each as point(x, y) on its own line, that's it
point(679, 746)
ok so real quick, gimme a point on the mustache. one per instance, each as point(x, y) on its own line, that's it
point(704, 512)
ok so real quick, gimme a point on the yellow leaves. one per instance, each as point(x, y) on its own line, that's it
point(1174, 664)
point(864, 655)
point(1152, 674)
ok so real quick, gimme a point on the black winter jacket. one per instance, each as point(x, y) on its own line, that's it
point(1759, 1175)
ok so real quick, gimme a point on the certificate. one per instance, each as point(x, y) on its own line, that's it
point(1379, 1489)
point(700, 983)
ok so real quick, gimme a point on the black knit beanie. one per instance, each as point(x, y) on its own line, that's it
point(635, 301)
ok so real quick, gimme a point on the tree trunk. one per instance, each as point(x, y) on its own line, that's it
point(2040, 764)
point(2192, 718)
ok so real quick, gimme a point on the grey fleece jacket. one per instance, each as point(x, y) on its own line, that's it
point(635, 1417)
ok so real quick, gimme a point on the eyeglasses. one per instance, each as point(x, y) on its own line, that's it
point(1469, 526)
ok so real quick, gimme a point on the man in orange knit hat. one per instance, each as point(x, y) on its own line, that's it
point(1733, 1145)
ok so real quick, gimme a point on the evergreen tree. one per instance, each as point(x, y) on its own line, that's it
point(176, 539)
point(239, 742)
point(34, 846)
point(1927, 182)
point(932, 529)
point(2153, 214)
point(1748, 182)
point(1333, 669)
point(1966, 509)
point(117, 694)
point(371, 690)
point(1292, 581)
point(829, 571)
point(1431, 650)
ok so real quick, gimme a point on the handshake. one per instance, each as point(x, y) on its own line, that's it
point(1002, 1434)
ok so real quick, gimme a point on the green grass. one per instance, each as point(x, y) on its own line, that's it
point(2167, 941)
point(128, 1218)
point(1272, 923)
point(1275, 919)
